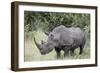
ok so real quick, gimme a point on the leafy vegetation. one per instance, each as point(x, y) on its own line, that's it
point(47, 21)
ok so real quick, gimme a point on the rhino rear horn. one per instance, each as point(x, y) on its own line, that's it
point(47, 33)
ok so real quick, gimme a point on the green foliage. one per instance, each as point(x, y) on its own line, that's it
point(47, 21)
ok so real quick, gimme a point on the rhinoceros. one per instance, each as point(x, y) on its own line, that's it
point(63, 38)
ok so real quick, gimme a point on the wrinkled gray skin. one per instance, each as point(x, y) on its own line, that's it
point(63, 38)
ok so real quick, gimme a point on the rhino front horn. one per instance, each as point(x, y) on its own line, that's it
point(38, 45)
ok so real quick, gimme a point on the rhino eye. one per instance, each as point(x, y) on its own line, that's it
point(52, 36)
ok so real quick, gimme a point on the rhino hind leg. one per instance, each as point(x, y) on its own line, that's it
point(58, 52)
point(81, 49)
point(82, 46)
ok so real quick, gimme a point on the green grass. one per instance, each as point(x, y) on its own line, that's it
point(32, 53)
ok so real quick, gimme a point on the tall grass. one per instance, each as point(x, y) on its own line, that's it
point(32, 53)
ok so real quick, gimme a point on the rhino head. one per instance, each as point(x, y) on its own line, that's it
point(46, 47)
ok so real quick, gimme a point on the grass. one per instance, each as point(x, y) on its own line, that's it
point(32, 53)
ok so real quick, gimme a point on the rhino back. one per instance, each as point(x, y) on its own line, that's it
point(69, 36)
point(63, 35)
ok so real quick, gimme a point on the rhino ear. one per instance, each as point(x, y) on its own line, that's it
point(47, 33)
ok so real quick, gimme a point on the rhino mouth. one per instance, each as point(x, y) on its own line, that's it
point(43, 53)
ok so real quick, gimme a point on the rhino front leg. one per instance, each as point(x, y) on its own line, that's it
point(58, 52)
point(66, 51)
point(72, 52)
